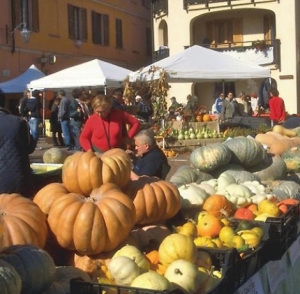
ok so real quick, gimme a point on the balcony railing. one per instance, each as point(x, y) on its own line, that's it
point(211, 3)
point(159, 7)
point(161, 53)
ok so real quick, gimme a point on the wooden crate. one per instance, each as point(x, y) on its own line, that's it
point(212, 125)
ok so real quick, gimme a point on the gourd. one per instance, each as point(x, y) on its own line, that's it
point(224, 180)
point(284, 131)
point(238, 194)
point(124, 270)
point(185, 275)
point(55, 155)
point(209, 226)
point(291, 158)
point(208, 158)
point(95, 224)
point(170, 249)
point(246, 151)
point(153, 281)
point(136, 255)
point(154, 199)
point(22, 220)
point(192, 196)
point(242, 175)
point(34, 265)
point(10, 280)
point(218, 205)
point(84, 171)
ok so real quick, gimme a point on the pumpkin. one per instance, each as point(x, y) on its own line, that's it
point(34, 265)
point(209, 226)
point(136, 255)
point(207, 158)
point(22, 220)
point(206, 118)
point(185, 275)
point(45, 197)
point(224, 180)
point(63, 275)
point(242, 175)
point(95, 224)
point(124, 270)
point(192, 196)
point(187, 174)
point(244, 213)
point(291, 158)
point(170, 249)
point(55, 155)
point(290, 188)
point(153, 259)
point(10, 280)
point(153, 281)
point(238, 194)
point(246, 151)
point(154, 199)
point(271, 168)
point(218, 205)
point(284, 131)
point(84, 171)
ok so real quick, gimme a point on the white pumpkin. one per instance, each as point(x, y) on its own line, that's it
point(257, 198)
point(136, 255)
point(209, 189)
point(152, 280)
point(255, 186)
point(124, 270)
point(238, 194)
point(185, 275)
point(192, 195)
point(225, 180)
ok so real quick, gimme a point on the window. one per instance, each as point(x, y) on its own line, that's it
point(119, 33)
point(146, 3)
point(77, 19)
point(25, 11)
point(148, 41)
point(100, 28)
point(224, 31)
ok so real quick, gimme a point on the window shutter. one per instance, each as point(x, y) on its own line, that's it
point(106, 29)
point(84, 32)
point(268, 19)
point(210, 32)
point(35, 16)
point(71, 22)
point(94, 28)
point(15, 13)
point(238, 32)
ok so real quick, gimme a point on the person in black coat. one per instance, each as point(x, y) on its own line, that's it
point(16, 144)
point(55, 126)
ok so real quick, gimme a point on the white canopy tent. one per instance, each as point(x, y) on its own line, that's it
point(19, 84)
point(88, 74)
point(199, 64)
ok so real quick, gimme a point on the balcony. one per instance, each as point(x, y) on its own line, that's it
point(159, 7)
point(161, 53)
point(207, 4)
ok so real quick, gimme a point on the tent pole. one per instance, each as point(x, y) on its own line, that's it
point(44, 105)
point(223, 86)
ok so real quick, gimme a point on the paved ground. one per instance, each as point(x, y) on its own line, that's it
point(37, 156)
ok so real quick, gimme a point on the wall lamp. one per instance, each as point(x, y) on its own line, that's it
point(25, 34)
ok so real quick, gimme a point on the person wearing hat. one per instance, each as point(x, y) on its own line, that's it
point(173, 108)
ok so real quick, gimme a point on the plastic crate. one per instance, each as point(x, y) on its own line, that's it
point(283, 232)
point(77, 286)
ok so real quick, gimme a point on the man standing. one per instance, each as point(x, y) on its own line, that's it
point(33, 107)
point(64, 117)
point(219, 102)
point(228, 108)
point(22, 104)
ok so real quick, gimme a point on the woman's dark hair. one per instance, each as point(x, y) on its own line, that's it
point(2, 99)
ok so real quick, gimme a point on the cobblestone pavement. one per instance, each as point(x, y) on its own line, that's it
point(43, 145)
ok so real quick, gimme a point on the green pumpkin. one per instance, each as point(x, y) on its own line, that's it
point(291, 158)
point(208, 158)
point(10, 280)
point(246, 151)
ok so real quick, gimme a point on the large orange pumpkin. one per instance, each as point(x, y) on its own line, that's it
point(84, 171)
point(22, 220)
point(218, 205)
point(154, 199)
point(93, 224)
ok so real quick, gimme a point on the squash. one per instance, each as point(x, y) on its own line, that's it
point(291, 158)
point(218, 205)
point(154, 199)
point(283, 131)
point(34, 265)
point(246, 151)
point(84, 171)
point(192, 196)
point(124, 270)
point(207, 158)
point(63, 275)
point(238, 194)
point(170, 249)
point(185, 275)
point(209, 226)
point(55, 155)
point(136, 255)
point(153, 281)
point(22, 220)
point(95, 224)
point(10, 280)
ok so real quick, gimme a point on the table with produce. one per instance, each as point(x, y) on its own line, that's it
point(226, 221)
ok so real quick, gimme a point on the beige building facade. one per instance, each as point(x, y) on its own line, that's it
point(266, 32)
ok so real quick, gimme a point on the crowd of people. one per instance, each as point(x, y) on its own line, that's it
point(77, 122)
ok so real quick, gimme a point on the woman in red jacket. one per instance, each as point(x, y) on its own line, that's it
point(104, 129)
point(277, 107)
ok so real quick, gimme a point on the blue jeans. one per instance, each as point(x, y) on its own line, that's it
point(34, 128)
point(76, 130)
point(66, 130)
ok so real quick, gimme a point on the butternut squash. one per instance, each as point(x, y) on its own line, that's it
point(283, 131)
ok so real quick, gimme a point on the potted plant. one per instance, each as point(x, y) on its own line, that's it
point(260, 45)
